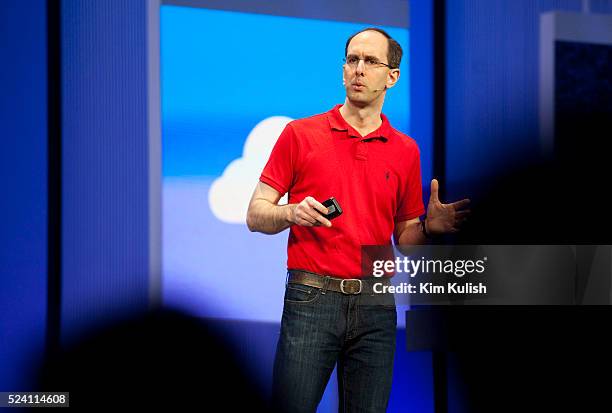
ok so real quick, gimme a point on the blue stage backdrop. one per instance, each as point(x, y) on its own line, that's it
point(23, 204)
point(230, 83)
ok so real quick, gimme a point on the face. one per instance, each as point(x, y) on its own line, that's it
point(368, 80)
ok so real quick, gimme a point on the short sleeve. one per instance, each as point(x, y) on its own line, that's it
point(280, 168)
point(411, 196)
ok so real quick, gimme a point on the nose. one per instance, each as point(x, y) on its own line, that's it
point(360, 66)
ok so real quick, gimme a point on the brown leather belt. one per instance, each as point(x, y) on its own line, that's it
point(351, 286)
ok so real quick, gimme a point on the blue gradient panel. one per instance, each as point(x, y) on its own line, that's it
point(222, 74)
point(23, 176)
point(492, 85)
point(105, 199)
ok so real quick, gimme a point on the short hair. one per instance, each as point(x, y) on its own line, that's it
point(394, 50)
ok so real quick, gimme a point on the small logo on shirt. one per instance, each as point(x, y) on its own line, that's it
point(387, 175)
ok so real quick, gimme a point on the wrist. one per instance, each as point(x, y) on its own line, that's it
point(289, 213)
point(424, 229)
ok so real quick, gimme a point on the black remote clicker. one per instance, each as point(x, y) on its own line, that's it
point(333, 208)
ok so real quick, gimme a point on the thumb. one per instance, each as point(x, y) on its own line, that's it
point(434, 190)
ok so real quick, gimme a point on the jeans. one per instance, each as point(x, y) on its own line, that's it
point(320, 328)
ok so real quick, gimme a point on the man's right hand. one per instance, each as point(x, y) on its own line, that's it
point(308, 213)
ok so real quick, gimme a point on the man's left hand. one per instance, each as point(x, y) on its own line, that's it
point(444, 218)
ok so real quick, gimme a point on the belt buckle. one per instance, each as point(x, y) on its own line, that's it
point(351, 279)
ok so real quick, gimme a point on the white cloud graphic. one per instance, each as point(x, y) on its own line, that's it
point(229, 194)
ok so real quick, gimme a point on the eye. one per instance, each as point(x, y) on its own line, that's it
point(352, 60)
point(371, 61)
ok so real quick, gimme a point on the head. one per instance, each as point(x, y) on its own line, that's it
point(372, 65)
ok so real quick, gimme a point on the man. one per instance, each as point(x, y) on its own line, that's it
point(352, 153)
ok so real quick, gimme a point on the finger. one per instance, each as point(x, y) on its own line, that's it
point(460, 204)
point(462, 214)
point(314, 214)
point(434, 190)
point(324, 221)
point(460, 223)
point(304, 223)
point(306, 218)
point(317, 205)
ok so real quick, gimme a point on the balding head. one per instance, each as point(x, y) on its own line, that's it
point(394, 50)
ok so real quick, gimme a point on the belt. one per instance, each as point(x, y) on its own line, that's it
point(351, 286)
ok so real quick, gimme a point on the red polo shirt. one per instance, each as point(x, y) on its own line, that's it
point(375, 178)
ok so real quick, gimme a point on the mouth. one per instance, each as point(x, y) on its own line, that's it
point(357, 86)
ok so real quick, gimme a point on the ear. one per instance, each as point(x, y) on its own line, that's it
point(392, 78)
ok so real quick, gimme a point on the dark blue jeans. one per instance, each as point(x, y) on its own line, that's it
point(321, 328)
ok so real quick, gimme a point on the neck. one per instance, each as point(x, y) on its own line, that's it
point(365, 119)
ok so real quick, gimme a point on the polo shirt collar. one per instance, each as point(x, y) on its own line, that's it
point(337, 122)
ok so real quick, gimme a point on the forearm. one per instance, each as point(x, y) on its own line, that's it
point(268, 218)
point(411, 236)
